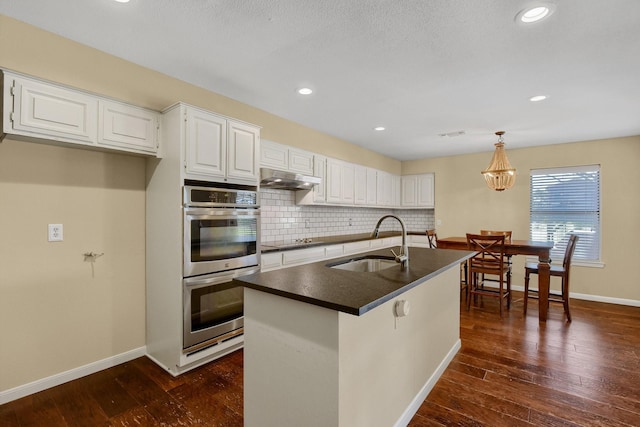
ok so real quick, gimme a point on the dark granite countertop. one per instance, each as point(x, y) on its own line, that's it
point(328, 240)
point(349, 291)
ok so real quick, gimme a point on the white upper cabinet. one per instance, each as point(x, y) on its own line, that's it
point(43, 110)
point(274, 155)
point(372, 186)
point(418, 191)
point(219, 149)
point(46, 111)
point(123, 126)
point(319, 191)
point(360, 197)
point(340, 182)
point(318, 195)
point(205, 144)
point(409, 190)
point(243, 146)
point(384, 189)
point(283, 157)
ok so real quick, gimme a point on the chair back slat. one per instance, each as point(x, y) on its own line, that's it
point(506, 234)
point(432, 237)
point(568, 253)
point(490, 251)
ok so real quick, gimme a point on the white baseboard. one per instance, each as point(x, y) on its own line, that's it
point(609, 300)
point(417, 401)
point(73, 374)
point(588, 297)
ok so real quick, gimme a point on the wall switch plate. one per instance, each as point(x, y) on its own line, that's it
point(55, 233)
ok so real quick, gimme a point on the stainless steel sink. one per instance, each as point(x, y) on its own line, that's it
point(366, 264)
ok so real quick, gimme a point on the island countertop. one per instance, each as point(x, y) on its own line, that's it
point(350, 291)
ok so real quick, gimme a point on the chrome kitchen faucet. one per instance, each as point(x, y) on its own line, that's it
point(403, 256)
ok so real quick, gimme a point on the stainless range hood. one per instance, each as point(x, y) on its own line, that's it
point(282, 180)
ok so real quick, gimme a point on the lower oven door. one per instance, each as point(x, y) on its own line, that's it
point(213, 308)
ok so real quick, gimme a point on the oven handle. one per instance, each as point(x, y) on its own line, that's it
point(217, 278)
point(214, 213)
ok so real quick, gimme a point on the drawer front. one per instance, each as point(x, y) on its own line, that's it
point(302, 256)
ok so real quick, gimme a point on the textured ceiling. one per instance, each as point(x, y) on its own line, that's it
point(421, 68)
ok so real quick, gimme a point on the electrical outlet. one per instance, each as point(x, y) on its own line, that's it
point(439, 222)
point(55, 233)
point(307, 223)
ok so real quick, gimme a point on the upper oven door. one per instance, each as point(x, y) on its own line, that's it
point(220, 239)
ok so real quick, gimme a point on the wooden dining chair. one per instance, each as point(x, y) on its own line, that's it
point(507, 240)
point(489, 259)
point(432, 237)
point(562, 272)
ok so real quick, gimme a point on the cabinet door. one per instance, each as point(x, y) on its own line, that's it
point(274, 155)
point(52, 112)
point(348, 183)
point(372, 187)
point(126, 127)
point(205, 146)
point(300, 161)
point(360, 185)
point(243, 151)
point(425, 190)
point(334, 181)
point(384, 189)
point(409, 190)
point(396, 189)
point(320, 170)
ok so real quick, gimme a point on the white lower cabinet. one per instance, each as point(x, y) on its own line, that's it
point(49, 112)
point(355, 247)
point(302, 256)
point(420, 241)
point(270, 261)
point(282, 259)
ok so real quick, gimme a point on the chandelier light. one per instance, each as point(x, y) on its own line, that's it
point(499, 175)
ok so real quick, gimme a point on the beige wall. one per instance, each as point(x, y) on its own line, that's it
point(464, 203)
point(58, 312)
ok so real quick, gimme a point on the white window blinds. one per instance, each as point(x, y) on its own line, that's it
point(567, 200)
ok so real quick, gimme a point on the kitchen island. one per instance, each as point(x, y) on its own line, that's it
point(330, 347)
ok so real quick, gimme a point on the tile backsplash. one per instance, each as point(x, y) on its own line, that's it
point(283, 220)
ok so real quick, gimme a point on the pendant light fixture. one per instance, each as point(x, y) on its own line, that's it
point(499, 175)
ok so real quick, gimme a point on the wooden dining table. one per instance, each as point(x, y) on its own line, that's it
point(520, 247)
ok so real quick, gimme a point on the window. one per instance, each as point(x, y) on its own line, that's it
point(567, 200)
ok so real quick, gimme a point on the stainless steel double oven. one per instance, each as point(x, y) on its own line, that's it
point(221, 242)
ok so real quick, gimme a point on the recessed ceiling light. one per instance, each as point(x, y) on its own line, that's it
point(122, 1)
point(379, 128)
point(537, 98)
point(305, 91)
point(535, 13)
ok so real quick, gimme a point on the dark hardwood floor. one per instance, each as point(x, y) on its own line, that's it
point(509, 372)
